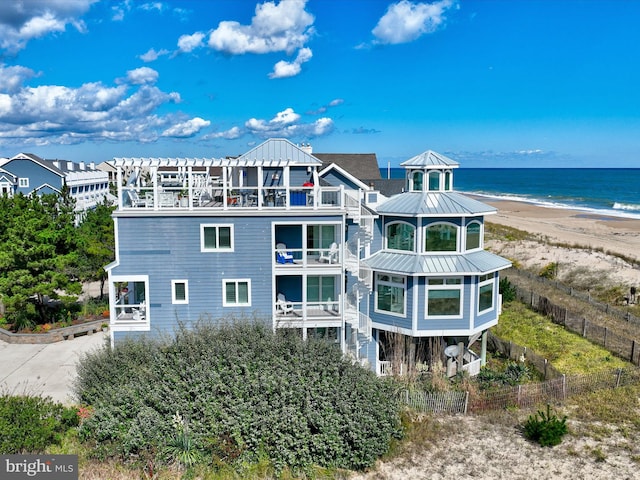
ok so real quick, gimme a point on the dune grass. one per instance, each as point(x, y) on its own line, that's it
point(568, 352)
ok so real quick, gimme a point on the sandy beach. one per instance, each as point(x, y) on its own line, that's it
point(572, 228)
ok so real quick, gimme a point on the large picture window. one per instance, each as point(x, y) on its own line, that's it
point(444, 297)
point(237, 293)
point(485, 292)
point(216, 238)
point(400, 236)
point(473, 235)
point(441, 237)
point(390, 294)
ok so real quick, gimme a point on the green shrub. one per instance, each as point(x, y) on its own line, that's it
point(549, 271)
point(29, 424)
point(243, 393)
point(545, 428)
point(507, 290)
point(514, 373)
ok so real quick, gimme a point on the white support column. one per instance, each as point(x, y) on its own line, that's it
point(483, 348)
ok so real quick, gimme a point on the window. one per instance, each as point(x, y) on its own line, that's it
point(216, 238)
point(179, 291)
point(400, 236)
point(444, 297)
point(441, 237)
point(23, 183)
point(417, 181)
point(390, 296)
point(447, 181)
point(434, 181)
point(321, 290)
point(485, 292)
point(237, 293)
point(320, 236)
point(473, 235)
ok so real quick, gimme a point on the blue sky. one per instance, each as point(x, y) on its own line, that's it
point(489, 83)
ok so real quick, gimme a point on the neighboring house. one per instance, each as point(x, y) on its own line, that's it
point(8, 183)
point(32, 174)
point(278, 237)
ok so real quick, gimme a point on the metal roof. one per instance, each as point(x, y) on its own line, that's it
point(433, 204)
point(278, 151)
point(474, 263)
point(430, 159)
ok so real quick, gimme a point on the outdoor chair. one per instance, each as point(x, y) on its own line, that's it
point(331, 255)
point(282, 256)
point(283, 306)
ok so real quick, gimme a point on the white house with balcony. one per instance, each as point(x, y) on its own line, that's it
point(265, 236)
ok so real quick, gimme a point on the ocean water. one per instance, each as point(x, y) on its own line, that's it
point(613, 192)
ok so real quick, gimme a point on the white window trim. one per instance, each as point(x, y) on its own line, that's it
point(423, 247)
point(23, 182)
point(483, 283)
point(217, 226)
point(141, 326)
point(174, 300)
point(459, 286)
point(392, 284)
point(225, 281)
point(480, 240)
point(386, 236)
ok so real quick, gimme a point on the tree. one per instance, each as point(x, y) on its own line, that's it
point(96, 244)
point(37, 255)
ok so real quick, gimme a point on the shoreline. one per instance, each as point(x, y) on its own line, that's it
point(617, 235)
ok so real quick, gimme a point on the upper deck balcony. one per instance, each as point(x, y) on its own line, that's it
point(147, 185)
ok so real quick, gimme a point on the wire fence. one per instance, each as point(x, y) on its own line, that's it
point(527, 395)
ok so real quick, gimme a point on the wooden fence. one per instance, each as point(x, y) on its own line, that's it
point(624, 347)
point(522, 396)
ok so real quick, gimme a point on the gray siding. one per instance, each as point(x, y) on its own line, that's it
point(36, 174)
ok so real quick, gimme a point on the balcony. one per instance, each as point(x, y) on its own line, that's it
point(170, 197)
point(286, 258)
point(307, 314)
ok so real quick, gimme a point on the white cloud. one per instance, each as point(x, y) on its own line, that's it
point(188, 43)
point(282, 27)
point(333, 103)
point(150, 6)
point(406, 21)
point(142, 75)
point(151, 55)
point(53, 114)
point(284, 69)
point(12, 78)
point(186, 129)
point(21, 21)
point(230, 134)
point(284, 124)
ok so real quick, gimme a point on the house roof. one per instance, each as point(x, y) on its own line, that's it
point(430, 159)
point(433, 204)
point(36, 159)
point(473, 263)
point(278, 150)
point(360, 165)
point(5, 174)
point(387, 186)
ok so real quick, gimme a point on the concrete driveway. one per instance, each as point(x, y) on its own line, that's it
point(48, 370)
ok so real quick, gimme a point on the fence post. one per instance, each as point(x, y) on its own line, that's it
point(564, 387)
point(633, 350)
point(519, 393)
point(466, 401)
point(584, 327)
point(618, 375)
point(545, 368)
point(605, 337)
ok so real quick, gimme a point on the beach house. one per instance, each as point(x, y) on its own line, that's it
point(275, 235)
point(27, 173)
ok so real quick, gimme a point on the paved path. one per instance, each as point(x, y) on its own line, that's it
point(48, 370)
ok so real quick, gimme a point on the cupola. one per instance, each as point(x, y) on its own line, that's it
point(429, 172)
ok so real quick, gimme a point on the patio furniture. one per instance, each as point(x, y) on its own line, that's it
point(282, 256)
point(331, 255)
point(283, 306)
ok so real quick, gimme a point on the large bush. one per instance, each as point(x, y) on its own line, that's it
point(237, 393)
point(29, 424)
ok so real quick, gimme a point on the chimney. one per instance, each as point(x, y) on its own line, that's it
point(56, 163)
point(82, 166)
point(306, 148)
point(92, 165)
point(70, 166)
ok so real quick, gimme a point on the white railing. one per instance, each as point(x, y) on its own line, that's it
point(474, 362)
point(364, 324)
